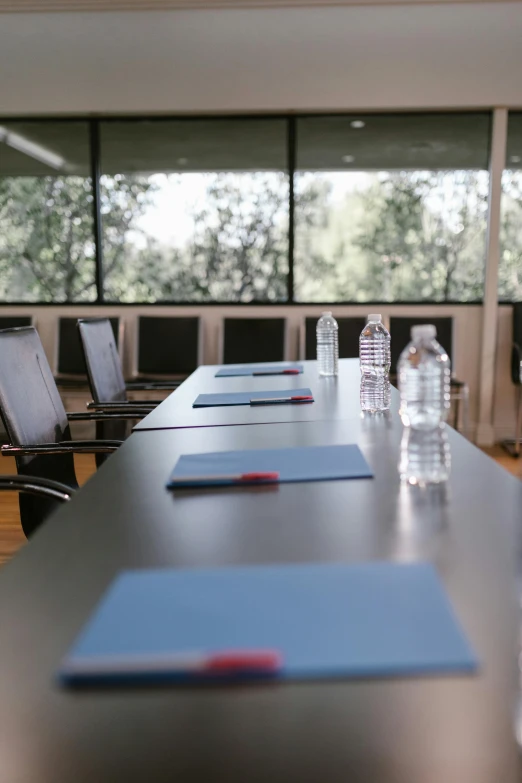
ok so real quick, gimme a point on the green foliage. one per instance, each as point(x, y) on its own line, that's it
point(238, 250)
point(510, 270)
point(404, 236)
point(401, 236)
point(46, 239)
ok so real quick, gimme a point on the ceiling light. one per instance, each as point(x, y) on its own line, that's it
point(515, 159)
point(31, 149)
point(357, 124)
point(348, 159)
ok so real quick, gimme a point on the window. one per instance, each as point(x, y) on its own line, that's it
point(195, 210)
point(387, 208)
point(391, 208)
point(510, 267)
point(46, 225)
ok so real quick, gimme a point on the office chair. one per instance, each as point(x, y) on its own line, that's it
point(167, 347)
point(69, 362)
point(103, 365)
point(253, 340)
point(108, 388)
point(512, 446)
point(37, 425)
point(350, 329)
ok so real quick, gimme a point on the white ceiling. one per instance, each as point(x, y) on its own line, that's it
point(44, 6)
point(378, 58)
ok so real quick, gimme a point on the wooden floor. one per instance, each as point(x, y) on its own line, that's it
point(514, 466)
point(11, 535)
point(12, 538)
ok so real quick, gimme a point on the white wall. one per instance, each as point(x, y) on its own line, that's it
point(358, 57)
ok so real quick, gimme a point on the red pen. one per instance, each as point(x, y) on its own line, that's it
point(225, 478)
point(279, 400)
point(238, 661)
point(191, 663)
point(277, 372)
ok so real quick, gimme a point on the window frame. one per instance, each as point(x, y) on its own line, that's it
point(291, 119)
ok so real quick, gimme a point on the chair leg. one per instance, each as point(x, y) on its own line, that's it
point(519, 421)
point(513, 446)
point(465, 411)
point(456, 401)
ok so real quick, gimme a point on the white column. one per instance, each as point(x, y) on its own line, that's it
point(485, 430)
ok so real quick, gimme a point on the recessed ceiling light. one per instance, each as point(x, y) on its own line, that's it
point(182, 161)
point(357, 124)
point(348, 159)
point(515, 159)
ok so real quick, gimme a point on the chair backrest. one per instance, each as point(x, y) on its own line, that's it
point(350, 329)
point(400, 329)
point(33, 413)
point(104, 373)
point(253, 340)
point(167, 346)
point(70, 362)
point(12, 321)
point(516, 352)
point(517, 323)
point(101, 359)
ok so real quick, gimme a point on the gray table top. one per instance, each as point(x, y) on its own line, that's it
point(427, 730)
point(334, 398)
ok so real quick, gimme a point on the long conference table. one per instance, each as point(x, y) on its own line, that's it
point(438, 729)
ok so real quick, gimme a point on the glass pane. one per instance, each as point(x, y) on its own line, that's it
point(391, 208)
point(195, 210)
point(510, 268)
point(46, 225)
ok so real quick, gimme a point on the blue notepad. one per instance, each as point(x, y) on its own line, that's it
point(258, 369)
point(243, 398)
point(307, 463)
point(325, 620)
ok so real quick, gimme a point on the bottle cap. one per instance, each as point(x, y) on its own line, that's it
point(423, 331)
point(326, 312)
point(375, 317)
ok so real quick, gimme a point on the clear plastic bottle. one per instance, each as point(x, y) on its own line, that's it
point(374, 356)
point(327, 345)
point(425, 456)
point(424, 384)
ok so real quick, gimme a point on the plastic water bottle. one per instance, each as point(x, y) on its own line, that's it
point(424, 384)
point(425, 456)
point(374, 355)
point(327, 344)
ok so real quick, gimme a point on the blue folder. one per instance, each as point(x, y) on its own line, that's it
point(307, 463)
point(326, 620)
point(251, 369)
point(243, 398)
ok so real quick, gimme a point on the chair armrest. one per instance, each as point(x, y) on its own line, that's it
point(159, 386)
point(33, 485)
point(65, 447)
point(123, 405)
point(114, 415)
